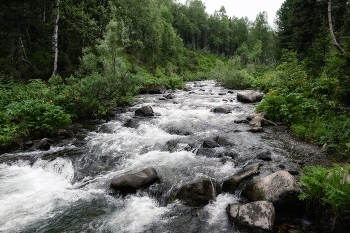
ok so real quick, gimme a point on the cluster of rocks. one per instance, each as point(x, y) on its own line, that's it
point(267, 195)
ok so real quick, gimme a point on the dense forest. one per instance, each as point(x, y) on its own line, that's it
point(64, 60)
point(77, 59)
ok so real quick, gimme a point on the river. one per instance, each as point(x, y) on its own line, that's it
point(66, 189)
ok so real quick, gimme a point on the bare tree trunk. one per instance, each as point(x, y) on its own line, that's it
point(55, 39)
point(335, 43)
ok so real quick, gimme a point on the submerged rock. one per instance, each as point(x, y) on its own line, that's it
point(221, 109)
point(264, 155)
point(199, 193)
point(207, 152)
point(249, 96)
point(210, 144)
point(129, 183)
point(260, 215)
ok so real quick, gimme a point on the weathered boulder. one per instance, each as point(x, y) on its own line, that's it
point(280, 188)
point(259, 215)
point(231, 183)
point(199, 193)
point(129, 183)
point(153, 89)
point(144, 111)
point(249, 96)
point(221, 109)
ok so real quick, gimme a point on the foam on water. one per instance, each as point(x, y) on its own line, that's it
point(29, 193)
point(217, 209)
point(138, 212)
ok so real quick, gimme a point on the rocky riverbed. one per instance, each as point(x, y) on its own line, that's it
point(180, 161)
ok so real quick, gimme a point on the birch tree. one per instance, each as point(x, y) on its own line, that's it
point(55, 39)
point(330, 23)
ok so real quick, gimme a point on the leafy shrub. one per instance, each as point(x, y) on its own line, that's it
point(327, 187)
point(231, 74)
point(35, 117)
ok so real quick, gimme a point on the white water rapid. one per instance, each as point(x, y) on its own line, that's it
point(66, 189)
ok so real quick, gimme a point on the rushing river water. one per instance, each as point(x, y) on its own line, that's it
point(66, 189)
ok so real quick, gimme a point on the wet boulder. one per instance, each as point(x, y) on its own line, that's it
point(207, 152)
point(28, 144)
point(145, 111)
point(256, 216)
point(199, 193)
point(221, 109)
point(131, 123)
point(280, 188)
point(264, 155)
point(249, 96)
point(45, 144)
point(169, 96)
point(223, 141)
point(232, 183)
point(153, 89)
point(130, 183)
point(179, 130)
point(187, 88)
point(210, 144)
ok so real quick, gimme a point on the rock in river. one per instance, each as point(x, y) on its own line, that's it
point(129, 183)
point(279, 188)
point(259, 214)
point(144, 111)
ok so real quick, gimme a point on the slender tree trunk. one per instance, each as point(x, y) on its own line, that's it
point(335, 43)
point(55, 39)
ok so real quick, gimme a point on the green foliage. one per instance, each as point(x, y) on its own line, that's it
point(309, 105)
point(327, 187)
point(36, 117)
point(231, 74)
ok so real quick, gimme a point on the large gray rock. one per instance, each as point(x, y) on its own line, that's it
point(221, 109)
point(260, 215)
point(249, 96)
point(145, 111)
point(231, 184)
point(279, 188)
point(129, 183)
point(199, 193)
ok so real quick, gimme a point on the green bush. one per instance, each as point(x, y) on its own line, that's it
point(35, 117)
point(231, 74)
point(327, 187)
